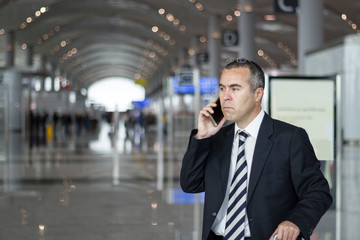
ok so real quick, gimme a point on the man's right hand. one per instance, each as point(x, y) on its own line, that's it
point(205, 126)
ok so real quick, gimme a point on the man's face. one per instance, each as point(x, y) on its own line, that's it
point(239, 104)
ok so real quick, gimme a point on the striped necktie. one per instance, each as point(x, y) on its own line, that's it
point(235, 218)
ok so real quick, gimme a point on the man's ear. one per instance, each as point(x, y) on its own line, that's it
point(259, 94)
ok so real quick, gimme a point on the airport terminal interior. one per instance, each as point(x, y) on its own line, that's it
point(98, 99)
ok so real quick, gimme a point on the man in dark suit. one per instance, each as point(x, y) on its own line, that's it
point(286, 193)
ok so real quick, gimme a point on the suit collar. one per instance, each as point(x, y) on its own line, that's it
point(226, 142)
point(262, 149)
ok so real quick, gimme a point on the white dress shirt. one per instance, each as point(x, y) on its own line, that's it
point(252, 129)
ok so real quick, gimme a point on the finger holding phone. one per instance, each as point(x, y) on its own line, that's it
point(210, 120)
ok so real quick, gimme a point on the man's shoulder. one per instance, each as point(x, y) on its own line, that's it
point(283, 124)
point(286, 129)
point(280, 126)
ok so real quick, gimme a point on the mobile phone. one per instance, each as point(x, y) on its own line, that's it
point(218, 115)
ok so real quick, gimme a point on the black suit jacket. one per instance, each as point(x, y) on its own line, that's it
point(286, 182)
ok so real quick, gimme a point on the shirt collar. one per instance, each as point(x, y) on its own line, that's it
point(253, 128)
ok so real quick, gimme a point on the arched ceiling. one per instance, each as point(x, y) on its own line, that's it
point(88, 40)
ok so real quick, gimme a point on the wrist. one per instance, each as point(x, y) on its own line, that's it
point(199, 136)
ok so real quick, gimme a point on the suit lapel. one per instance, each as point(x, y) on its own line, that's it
point(224, 156)
point(262, 149)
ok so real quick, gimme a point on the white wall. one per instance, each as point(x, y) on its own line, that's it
point(343, 58)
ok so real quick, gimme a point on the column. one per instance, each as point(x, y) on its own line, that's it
point(10, 49)
point(192, 52)
point(53, 75)
point(43, 70)
point(29, 55)
point(310, 29)
point(214, 36)
point(12, 82)
point(246, 29)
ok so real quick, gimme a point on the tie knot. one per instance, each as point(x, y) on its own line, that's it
point(243, 135)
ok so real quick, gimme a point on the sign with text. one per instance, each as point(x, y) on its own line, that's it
point(307, 102)
point(208, 85)
point(230, 38)
point(285, 6)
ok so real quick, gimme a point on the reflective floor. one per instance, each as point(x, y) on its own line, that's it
point(91, 187)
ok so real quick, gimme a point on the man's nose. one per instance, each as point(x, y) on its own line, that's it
point(226, 95)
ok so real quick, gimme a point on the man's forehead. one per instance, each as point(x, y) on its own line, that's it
point(234, 75)
point(240, 70)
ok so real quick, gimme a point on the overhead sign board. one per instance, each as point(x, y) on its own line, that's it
point(230, 38)
point(208, 85)
point(285, 6)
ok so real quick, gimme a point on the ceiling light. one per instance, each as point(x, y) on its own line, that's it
point(152, 54)
point(23, 25)
point(248, 8)
point(170, 17)
point(216, 35)
point(176, 21)
point(229, 18)
point(137, 75)
point(237, 13)
point(191, 52)
point(167, 37)
point(270, 17)
point(199, 6)
point(155, 29)
point(161, 11)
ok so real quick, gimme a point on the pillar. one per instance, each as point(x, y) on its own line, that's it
point(12, 82)
point(10, 49)
point(193, 48)
point(182, 58)
point(29, 55)
point(53, 75)
point(214, 37)
point(310, 29)
point(246, 29)
point(13, 86)
point(43, 70)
